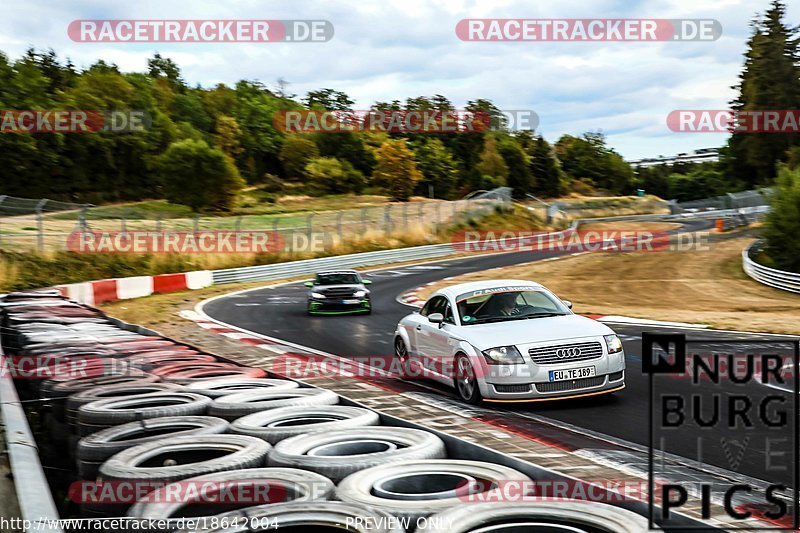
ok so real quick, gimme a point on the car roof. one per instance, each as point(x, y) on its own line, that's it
point(323, 272)
point(461, 288)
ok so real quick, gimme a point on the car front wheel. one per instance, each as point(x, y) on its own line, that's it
point(465, 382)
point(401, 353)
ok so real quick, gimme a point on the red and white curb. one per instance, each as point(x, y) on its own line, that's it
point(110, 290)
point(237, 334)
point(411, 297)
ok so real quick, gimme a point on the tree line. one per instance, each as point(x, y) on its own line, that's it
point(203, 145)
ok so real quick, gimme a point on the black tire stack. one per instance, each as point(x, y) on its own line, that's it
point(158, 414)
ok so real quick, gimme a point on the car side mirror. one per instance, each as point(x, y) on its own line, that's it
point(309, 284)
point(366, 281)
point(567, 303)
point(436, 318)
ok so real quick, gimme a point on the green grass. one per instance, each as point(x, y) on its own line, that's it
point(252, 202)
point(133, 210)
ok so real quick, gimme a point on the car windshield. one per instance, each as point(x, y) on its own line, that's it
point(479, 308)
point(342, 278)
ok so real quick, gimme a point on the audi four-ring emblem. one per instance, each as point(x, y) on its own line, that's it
point(561, 353)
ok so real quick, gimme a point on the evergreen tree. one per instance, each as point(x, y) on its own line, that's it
point(770, 80)
point(517, 161)
point(546, 173)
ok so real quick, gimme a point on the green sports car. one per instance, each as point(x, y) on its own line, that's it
point(337, 292)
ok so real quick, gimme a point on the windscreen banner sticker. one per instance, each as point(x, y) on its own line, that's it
point(495, 290)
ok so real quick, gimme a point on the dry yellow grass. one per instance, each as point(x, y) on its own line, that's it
point(630, 226)
point(706, 287)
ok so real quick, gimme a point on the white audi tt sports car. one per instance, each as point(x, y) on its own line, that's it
point(509, 340)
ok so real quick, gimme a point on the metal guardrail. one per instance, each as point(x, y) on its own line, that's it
point(311, 266)
point(293, 269)
point(33, 495)
point(779, 279)
point(731, 200)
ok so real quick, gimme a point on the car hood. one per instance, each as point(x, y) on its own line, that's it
point(545, 329)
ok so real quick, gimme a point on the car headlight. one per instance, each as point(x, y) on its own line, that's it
point(360, 294)
point(613, 343)
point(317, 295)
point(503, 355)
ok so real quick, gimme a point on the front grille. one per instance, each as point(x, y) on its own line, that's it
point(524, 387)
point(338, 292)
point(572, 384)
point(323, 306)
point(549, 355)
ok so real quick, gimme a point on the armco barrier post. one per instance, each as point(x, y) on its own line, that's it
point(40, 225)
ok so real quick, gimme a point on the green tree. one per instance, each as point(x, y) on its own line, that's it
point(332, 176)
point(589, 159)
point(199, 176)
point(546, 174)
point(296, 152)
point(254, 111)
point(189, 108)
point(491, 164)
point(699, 183)
point(518, 163)
point(328, 99)
point(347, 146)
point(227, 136)
point(438, 168)
point(165, 67)
point(770, 80)
point(782, 230)
point(395, 169)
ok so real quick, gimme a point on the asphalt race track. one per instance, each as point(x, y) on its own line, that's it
point(612, 425)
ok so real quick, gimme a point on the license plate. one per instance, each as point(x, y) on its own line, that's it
point(572, 373)
point(350, 302)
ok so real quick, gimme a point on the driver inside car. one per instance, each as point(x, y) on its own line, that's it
point(503, 304)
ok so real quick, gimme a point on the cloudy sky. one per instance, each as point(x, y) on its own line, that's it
point(391, 49)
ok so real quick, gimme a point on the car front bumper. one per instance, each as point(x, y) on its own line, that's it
point(556, 390)
point(531, 382)
point(322, 307)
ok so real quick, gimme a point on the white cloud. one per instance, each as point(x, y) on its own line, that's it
point(393, 49)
